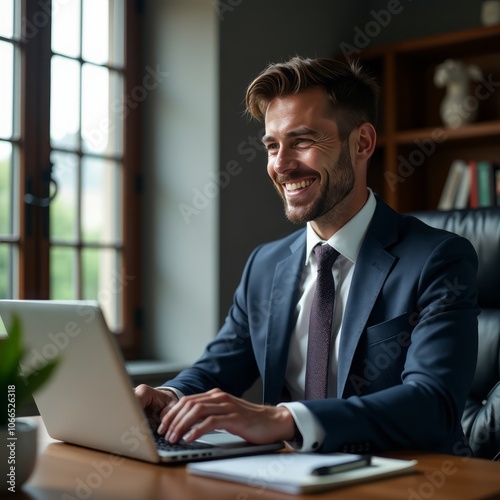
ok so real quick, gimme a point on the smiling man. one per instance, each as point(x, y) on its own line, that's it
point(360, 343)
point(311, 166)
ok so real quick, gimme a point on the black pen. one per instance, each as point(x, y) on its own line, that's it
point(355, 463)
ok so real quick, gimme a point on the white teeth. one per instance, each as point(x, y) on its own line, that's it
point(293, 186)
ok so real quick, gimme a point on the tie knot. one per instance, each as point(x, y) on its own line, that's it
point(325, 255)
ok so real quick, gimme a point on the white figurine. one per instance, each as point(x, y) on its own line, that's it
point(459, 105)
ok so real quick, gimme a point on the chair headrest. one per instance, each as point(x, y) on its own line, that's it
point(481, 226)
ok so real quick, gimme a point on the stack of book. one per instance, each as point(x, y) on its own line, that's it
point(471, 184)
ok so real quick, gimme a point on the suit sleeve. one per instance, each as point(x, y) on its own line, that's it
point(424, 411)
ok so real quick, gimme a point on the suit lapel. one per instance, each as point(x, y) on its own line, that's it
point(283, 300)
point(373, 265)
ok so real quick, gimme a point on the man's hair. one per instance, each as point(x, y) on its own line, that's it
point(352, 93)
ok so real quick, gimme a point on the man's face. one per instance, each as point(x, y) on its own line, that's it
point(309, 165)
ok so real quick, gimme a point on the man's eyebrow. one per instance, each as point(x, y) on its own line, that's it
point(292, 133)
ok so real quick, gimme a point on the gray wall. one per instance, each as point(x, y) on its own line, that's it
point(256, 32)
point(180, 253)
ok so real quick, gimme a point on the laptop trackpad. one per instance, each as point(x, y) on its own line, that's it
point(222, 438)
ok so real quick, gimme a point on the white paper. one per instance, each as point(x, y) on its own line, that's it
point(291, 472)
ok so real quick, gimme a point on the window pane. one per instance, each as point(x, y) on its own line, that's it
point(101, 201)
point(95, 39)
point(8, 269)
point(117, 27)
point(103, 28)
point(65, 103)
point(66, 28)
point(6, 189)
point(6, 88)
point(103, 281)
point(63, 208)
point(7, 18)
point(4, 271)
point(63, 283)
point(9, 189)
point(102, 110)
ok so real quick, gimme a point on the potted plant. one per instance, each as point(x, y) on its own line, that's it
point(18, 436)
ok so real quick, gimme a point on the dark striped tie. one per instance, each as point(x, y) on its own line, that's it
point(320, 325)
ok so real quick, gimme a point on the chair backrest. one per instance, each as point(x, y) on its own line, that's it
point(481, 418)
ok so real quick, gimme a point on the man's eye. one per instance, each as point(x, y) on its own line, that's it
point(271, 147)
point(302, 142)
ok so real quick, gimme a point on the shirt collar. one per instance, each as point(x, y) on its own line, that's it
point(347, 240)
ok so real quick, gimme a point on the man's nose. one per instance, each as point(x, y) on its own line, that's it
point(285, 161)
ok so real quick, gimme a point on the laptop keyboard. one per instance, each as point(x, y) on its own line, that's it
point(164, 445)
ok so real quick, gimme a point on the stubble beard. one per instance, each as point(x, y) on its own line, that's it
point(331, 193)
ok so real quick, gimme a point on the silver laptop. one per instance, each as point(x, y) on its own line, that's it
point(89, 400)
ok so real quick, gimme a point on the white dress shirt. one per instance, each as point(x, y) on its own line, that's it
point(347, 241)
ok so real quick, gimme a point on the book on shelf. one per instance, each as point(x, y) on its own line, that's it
point(453, 185)
point(473, 195)
point(497, 185)
point(486, 185)
point(471, 184)
point(463, 190)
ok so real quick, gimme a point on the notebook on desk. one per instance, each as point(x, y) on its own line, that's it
point(295, 472)
point(89, 400)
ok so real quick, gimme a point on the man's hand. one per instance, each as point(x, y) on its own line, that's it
point(198, 414)
point(156, 402)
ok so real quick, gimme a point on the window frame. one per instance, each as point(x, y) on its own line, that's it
point(34, 171)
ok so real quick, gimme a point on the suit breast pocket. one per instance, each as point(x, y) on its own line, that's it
point(387, 344)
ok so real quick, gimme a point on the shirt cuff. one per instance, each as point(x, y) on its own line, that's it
point(311, 430)
point(178, 393)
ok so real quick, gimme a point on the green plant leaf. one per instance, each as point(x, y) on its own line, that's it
point(11, 351)
point(11, 354)
point(31, 383)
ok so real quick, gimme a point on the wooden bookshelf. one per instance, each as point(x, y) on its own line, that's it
point(415, 149)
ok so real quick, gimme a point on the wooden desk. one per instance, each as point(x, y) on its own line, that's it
point(67, 472)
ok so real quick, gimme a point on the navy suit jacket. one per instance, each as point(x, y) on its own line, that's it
point(408, 344)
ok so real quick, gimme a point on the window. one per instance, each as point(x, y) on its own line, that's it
point(69, 169)
point(10, 58)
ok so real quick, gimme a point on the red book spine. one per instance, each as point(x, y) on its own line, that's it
point(474, 196)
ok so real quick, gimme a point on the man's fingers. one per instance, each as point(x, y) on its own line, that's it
point(191, 410)
point(143, 392)
point(156, 402)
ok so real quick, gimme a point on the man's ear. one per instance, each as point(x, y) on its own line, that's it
point(365, 139)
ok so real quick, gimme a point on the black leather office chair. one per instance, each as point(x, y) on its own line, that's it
point(481, 418)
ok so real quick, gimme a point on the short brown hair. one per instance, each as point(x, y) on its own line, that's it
point(352, 93)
